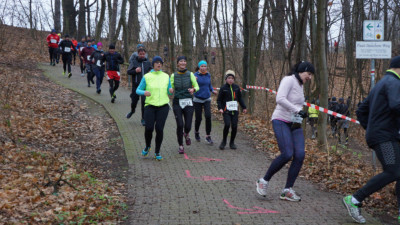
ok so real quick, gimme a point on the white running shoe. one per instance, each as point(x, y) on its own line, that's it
point(262, 186)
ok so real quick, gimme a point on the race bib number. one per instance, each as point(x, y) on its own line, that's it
point(81, 48)
point(98, 63)
point(53, 41)
point(66, 49)
point(185, 102)
point(88, 58)
point(296, 118)
point(232, 106)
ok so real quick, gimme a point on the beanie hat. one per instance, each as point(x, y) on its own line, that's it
point(305, 67)
point(66, 36)
point(180, 58)
point(100, 44)
point(341, 100)
point(59, 34)
point(156, 59)
point(395, 62)
point(111, 46)
point(229, 73)
point(139, 46)
point(202, 62)
point(53, 30)
point(333, 99)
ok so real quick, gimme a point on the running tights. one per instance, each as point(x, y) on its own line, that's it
point(155, 117)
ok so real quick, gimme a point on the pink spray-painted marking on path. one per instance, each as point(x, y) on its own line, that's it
point(201, 159)
point(254, 210)
point(204, 178)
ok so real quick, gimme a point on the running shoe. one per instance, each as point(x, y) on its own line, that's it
point(232, 146)
point(158, 157)
point(354, 210)
point(290, 195)
point(197, 136)
point(129, 115)
point(69, 75)
point(222, 145)
point(181, 150)
point(146, 151)
point(113, 98)
point(209, 140)
point(187, 139)
point(262, 186)
point(143, 122)
point(63, 73)
point(82, 74)
point(98, 91)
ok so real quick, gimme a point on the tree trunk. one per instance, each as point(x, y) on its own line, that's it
point(163, 25)
point(88, 18)
point(81, 19)
point(171, 33)
point(322, 71)
point(133, 22)
point(301, 33)
point(202, 35)
point(185, 18)
point(278, 28)
point(113, 21)
point(69, 14)
point(99, 26)
point(234, 24)
point(122, 19)
point(221, 43)
point(57, 15)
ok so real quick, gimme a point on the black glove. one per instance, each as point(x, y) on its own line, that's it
point(303, 114)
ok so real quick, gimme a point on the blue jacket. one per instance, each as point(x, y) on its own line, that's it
point(204, 81)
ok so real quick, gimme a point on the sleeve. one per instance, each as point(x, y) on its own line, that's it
point(169, 86)
point(194, 82)
point(283, 92)
point(241, 102)
point(142, 87)
point(172, 80)
point(363, 113)
point(48, 39)
point(393, 93)
point(92, 55)
point(120, 59)
point(219, 99)
point(211, 87)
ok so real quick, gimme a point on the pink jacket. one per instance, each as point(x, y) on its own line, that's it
point(289, 100)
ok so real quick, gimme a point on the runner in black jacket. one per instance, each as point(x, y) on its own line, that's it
point(228, 98)
point(379, 114)
point(113, 59)
point(139, 66)
point(66, 48)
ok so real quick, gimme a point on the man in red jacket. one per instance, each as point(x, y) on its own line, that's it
point(52, 41)
point(85, 56)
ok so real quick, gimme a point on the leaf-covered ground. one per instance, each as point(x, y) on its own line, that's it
point(61, 159)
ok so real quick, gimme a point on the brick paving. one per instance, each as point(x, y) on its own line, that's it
point(207, 185)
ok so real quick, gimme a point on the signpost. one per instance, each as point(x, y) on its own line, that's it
point(373, 30)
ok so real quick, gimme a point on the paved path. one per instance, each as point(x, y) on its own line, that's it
point(206, 186)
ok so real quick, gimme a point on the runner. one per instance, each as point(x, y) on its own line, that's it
point(228, 98)
point(184, 84)
point(80, 47)
point(379, 115)
point(85, 56)
point(97, 58)
point(342, 123)
point(156, 86)
point(139, 67)
point(286, 122)
point(52, 42)
point(66, 48)
point(313, 119)
point(202, 99)
point(75, 43)
point(113, 59)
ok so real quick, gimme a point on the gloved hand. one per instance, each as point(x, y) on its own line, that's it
point(303, 114)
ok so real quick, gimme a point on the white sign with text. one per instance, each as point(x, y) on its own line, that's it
point(373, 49)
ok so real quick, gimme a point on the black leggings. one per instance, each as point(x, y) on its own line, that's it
point(155, 117)
point(90, 73)
point(114, 84)
point(53, 54)
point(135, 98)
point(66, 58)
point(198, 108)
point(230, 120)
point(182, 124)
point(388, 154)
point(82, 65)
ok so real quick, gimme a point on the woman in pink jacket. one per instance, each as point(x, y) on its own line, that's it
point(286, 122)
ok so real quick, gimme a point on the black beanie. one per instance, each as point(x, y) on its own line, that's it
point(156, 59)
point(395, 62)
point(111, 46)
point(180, 58)
point(305, 67)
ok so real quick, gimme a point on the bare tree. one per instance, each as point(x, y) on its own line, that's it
point(201, 35)
point(57, 14)
point(69, 14)
point(99, 26)
point(133, 22)
point(221, 43)
point(81, 19)
point(113, 20)
point(185, 18)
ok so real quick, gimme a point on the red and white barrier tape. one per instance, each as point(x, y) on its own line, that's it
point(240, 89)
point(321, 109)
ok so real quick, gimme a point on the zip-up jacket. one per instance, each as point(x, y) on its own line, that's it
point(158, 84)
point(66, 47)
point(181, 82)
point(204, 81)
point(98, 58)
point(52, 40)
point(343, 109)
point(80, 46)
point(379, 113)
point(86, 53)
point(142, 63)
point(113, 61)
point(229, 93)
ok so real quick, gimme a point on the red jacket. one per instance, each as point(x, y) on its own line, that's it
point(52, 40)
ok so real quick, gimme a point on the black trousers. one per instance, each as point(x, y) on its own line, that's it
point(155, 117)
point(230, 121)
point(67, 58)
point(388, 154)
point(82, 65)
point(53, 54)
point(184, 118)
point(90, 73)
point(198, 108)
point(135, 97)
point(114, 85)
